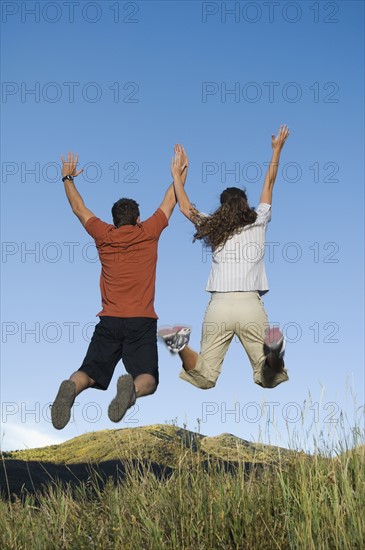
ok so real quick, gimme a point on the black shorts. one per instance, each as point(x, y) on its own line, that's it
point(132, 339)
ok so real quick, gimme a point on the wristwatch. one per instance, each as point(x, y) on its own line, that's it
point(70, 178)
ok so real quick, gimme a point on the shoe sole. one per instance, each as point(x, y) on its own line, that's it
point(274, 340)
point(122, 401)
point(164, 333)
point(62, 405)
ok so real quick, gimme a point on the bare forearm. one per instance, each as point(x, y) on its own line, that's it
point(277, 145)
point(74, 198)
point(272, 169)
point(170, 194)
point(181, 195)
point(179, 167)
point(267, 189)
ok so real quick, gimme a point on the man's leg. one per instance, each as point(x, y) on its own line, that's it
point(82, 381)
point(140, 359)
point(144, 384)
point(97, 369)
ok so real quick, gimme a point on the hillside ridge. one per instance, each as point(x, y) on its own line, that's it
point(157, 449)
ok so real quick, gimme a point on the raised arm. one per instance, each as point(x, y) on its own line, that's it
point(182, 198)
point(277, 145)
point(169, 202)
point(69, 172)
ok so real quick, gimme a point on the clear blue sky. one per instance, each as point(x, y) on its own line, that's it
point(120, 83)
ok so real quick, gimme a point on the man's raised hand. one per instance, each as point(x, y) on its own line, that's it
point(69, 166)
point(179, 162)
point(184, 156)
point(278, 141)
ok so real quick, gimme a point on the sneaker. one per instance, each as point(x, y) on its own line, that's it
point(176, 338)
point(61, 408)
point(125, 398)
point(274, 342)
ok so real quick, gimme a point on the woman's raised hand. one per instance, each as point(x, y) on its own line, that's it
point(278, 141)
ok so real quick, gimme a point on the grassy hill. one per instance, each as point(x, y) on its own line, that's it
point(162, 444)
point(108, 454)
point(162, 487)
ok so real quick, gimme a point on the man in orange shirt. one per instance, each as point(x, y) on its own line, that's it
point(127, 328)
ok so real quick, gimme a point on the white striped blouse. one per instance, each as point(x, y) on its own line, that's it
point(239, 264)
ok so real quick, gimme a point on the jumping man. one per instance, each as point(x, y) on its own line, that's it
point(127, 327)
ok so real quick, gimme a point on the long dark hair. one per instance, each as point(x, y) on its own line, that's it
point(232, 215)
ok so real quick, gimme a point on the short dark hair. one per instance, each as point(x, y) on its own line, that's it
point(125, 212)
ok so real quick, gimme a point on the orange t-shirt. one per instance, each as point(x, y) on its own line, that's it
point(128, 256)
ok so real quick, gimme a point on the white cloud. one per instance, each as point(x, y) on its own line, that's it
point(16, 437)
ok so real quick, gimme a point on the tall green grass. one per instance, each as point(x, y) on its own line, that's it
point(309, 503)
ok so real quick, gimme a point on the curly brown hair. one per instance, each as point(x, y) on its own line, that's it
point(232, 215)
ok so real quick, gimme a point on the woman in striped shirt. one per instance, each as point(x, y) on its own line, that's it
point(236, 234)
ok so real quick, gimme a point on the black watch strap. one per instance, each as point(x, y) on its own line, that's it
point(70, 178)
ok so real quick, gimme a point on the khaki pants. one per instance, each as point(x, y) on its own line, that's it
point(229, 314)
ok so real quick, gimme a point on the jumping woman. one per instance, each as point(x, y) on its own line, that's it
point(235, 232)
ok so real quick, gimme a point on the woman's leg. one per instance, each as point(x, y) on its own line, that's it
point(274, 361)
point(253, 323)
point(189, 358)
point(203, 369)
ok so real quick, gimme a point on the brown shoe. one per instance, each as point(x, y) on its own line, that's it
point(125, 398)
point(61, 408)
